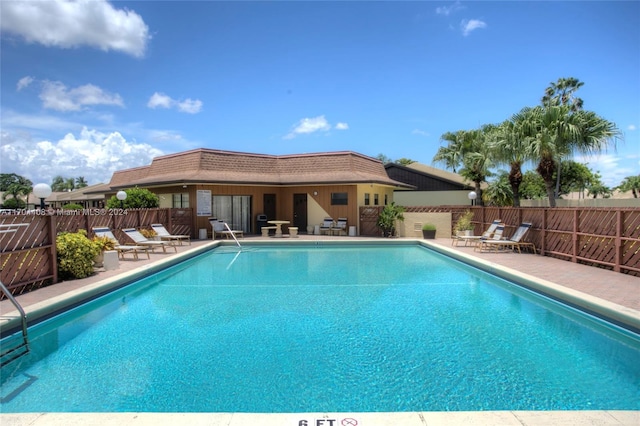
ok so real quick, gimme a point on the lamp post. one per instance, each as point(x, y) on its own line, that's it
point(121, 195)
point(42, 191)
point(472, 196)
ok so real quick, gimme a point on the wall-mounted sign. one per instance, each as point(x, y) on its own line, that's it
point(204, 203)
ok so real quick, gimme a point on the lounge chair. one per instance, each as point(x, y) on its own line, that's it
point(121, 249)
point(165, 235)
point(141, 240)
point(496, 237)
point(220, 229)
point(326, 226)
point(339, 227)
point(514, 242)
point(474, 239)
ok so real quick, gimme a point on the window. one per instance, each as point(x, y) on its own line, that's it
point(180, 201)
point(386, 199)
point(339, 199)
point(376, 201)
point(366, 199)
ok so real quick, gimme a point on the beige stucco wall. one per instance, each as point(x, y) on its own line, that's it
point(432, 198)
point(412, 225)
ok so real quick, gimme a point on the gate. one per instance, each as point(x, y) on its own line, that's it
point(368, 219)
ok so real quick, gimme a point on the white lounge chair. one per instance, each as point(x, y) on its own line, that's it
point(339, 227)
point(219, 229)
point(121, 249)
point(514, 242)
point(474, 239)
point(165, 235)
point(326, 226)
point(141, 240)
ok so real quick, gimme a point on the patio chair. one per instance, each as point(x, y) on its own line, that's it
point(141, 240)
point(165, 235)
point(339, 227)
point(326, 226)
point(121, 249)
point(496, 237)
point(477, 238)
point(515, 241)
point(219, 228)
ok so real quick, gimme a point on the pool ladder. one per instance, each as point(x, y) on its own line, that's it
point(15, 352)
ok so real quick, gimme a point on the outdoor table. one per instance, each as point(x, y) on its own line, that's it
point(278, 224)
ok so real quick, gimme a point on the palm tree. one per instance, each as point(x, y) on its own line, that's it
point(562, 93)
point(58, 184)
point(478, 158)
point(81, 182)
point(560, 133)
point(15, 185)
point(510, 145)
point(452, 154)
point(630, 183)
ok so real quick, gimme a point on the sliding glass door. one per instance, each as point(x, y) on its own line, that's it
point(233, 209)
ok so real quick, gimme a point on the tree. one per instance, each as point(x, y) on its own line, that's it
point(81, 182)
point(58, 184)
point(499, 192)
point(560, 133)
point(630, 183)
point(562, 93)
point(451, 155)
point(532, 186)
point(15, 185)
point(510, 145)
point(137, 198)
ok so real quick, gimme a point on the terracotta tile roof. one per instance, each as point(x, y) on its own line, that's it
point(227, 167)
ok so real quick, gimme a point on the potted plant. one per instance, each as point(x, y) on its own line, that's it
point(103, 244)
point(388, 217)
point(428, 231)
point(148, 233)
point(464, 226)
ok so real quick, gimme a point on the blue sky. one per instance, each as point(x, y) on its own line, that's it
point(90, 87)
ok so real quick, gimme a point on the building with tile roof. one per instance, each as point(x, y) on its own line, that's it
point(237, 187)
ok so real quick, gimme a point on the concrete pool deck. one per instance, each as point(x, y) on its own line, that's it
point(612, 291)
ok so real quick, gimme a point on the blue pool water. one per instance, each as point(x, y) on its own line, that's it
point(323, 328)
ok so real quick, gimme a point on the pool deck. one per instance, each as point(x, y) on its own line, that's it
point(609, 291)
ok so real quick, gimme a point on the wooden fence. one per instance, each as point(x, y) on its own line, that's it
point(27, 241)
point(602, 237)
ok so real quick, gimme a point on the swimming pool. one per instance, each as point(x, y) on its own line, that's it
point(323, 328)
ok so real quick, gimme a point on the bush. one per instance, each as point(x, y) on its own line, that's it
point(428, 227)
point(72, 206)
point(75, 254)
point(13, 203)
point(137, 198)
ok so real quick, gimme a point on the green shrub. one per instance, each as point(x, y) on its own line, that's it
point(428, 227)
point(137, 198)
point(13, 203)
point(72, 206)
point(75, 254)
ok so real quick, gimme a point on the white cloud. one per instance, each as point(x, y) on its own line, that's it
point(631, 127)
point(55, 95)
point(92, 154)
point(73, 23)
point(612, 168)
point(309, 125)
point(419, 132)
point(190, 106)
point(24, 82)
point(160, 100)
point(468, 25)
point(448, 10)
point(312, 125)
